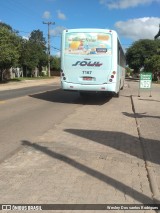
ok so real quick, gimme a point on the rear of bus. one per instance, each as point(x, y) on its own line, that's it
point(89, 60)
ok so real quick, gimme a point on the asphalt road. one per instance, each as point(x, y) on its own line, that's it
point(15, 93)
point(31, 114)
point(27, 113)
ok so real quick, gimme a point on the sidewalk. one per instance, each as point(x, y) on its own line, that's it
point(28, 83)
point(147, 113)
point(94, 156)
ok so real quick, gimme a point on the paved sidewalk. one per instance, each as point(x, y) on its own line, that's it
point(28, 83)
point(147, 113)
point(93, 157)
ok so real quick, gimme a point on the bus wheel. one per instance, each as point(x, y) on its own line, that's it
point(117, 94)
point(122, 86)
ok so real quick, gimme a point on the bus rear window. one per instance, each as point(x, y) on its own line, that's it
point(88, 43)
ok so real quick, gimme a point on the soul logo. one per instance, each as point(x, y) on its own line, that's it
point(86, 63)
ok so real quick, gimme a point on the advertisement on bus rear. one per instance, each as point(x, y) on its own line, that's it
point(88, 43)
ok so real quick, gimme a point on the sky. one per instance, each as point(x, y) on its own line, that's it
point(132, 19)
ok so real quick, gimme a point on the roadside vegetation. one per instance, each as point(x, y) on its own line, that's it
point(20, 57)
point(144, 56)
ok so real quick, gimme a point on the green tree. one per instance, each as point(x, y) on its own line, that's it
point(6, 26)
point(55, 63)
point(140, 52)
point(33, 52)
point(9, 48)
point(153, 64)
point(29, 58)
point(128, 72)
point(37, 37)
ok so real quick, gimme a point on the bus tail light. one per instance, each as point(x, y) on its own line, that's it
point(63, 75)
point(112, 76)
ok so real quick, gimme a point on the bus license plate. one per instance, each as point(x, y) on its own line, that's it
point(87, 78)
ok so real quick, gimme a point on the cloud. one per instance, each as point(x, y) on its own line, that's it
point(26, 37)
point(58, 54)
point(46, 15)
point(141, 28)
point(61, 15)
point(57, 31)
point(124, 4)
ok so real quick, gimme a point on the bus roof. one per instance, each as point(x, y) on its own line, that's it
point(90, 30)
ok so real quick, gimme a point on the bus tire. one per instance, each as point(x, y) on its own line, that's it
point(117, 95)
point(122, 86)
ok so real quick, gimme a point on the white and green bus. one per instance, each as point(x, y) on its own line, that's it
point(92, 60)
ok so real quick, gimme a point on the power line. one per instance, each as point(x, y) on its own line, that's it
point(55, 48)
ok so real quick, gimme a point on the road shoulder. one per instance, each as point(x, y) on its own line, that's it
point(28, 83)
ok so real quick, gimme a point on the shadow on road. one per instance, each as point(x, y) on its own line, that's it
point(140, 197)
point(121, 142)
point(60, 96)
point(139, 115)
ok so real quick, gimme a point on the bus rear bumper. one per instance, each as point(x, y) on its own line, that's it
point(89, 87)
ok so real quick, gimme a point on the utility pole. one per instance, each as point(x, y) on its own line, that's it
point(49, 23)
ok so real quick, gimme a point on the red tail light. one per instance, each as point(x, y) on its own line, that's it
point(112, 76)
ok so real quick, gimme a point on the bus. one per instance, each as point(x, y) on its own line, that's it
point(92, 60)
